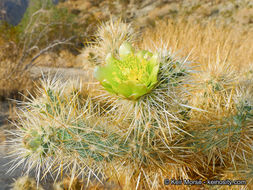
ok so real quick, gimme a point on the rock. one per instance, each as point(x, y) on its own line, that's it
point(13, 10)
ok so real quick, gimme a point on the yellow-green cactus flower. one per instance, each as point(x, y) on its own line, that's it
point(131, 76)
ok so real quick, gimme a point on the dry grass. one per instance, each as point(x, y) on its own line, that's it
point(14, 77)
point(62, 59)
point(205, 42)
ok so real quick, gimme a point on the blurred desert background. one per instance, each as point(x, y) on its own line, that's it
point(44, 36)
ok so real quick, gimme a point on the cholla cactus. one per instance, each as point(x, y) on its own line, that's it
point(216, 86)
point(147, 88)
point(58, 132)
point(146, 94)
point(226, 141)
point(109, 37)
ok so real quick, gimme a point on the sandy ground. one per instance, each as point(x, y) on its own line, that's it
point(64, 73)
